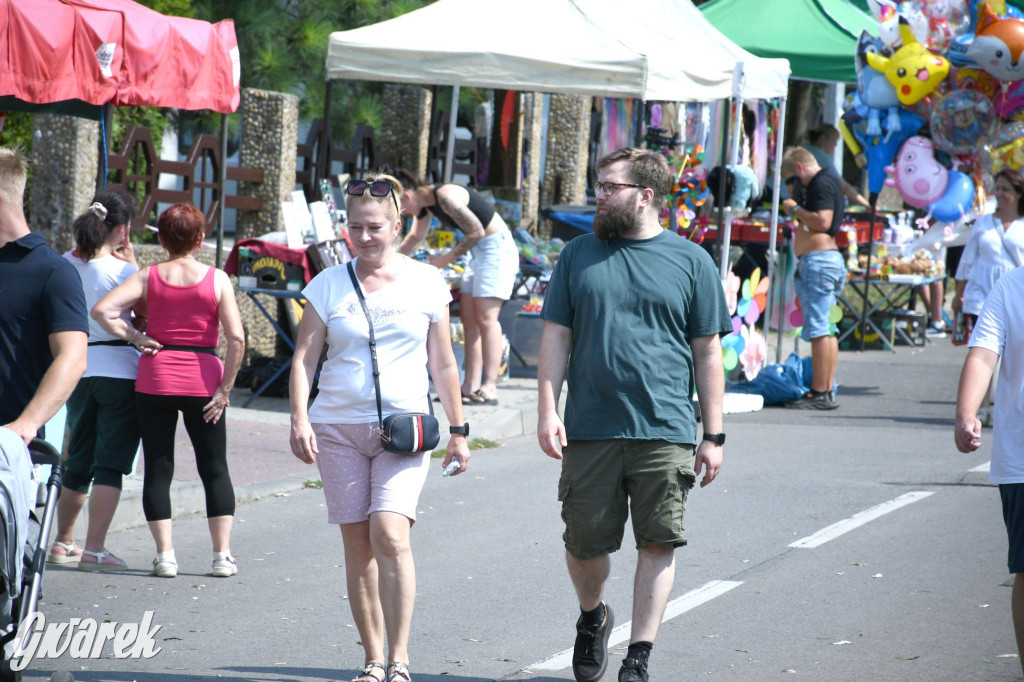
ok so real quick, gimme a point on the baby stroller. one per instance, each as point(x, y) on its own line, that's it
point(24, 535)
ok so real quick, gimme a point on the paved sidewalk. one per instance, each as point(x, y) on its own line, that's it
point(262, 465)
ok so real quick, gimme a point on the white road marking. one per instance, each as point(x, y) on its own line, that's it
point(620, 634)
point(857, 520)
point(983, 468)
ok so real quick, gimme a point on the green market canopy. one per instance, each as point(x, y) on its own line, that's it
point(819, 37)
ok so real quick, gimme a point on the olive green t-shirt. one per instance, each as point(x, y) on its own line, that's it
point(633, 306)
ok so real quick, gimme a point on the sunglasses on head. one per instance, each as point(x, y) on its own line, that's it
point(378, 188)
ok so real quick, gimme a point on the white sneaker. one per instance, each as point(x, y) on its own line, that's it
point(224, 565)
point(165, 565)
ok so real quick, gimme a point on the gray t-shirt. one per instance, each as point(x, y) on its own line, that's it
point(633, 306)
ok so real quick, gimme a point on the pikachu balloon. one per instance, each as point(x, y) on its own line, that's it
point(913, 70)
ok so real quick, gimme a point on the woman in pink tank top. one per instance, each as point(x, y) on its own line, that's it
point(179, 372)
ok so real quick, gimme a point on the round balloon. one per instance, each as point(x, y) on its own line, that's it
point(962, 121)
point(937, 22)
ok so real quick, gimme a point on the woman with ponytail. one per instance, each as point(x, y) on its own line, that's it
point(103, 432)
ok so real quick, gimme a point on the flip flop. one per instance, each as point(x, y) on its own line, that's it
point(478, 398)
point(466, 399)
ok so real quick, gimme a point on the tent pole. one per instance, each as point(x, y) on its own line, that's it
point(453, 120)
point(773, 233)
point(324, 162)
point(638, 122)
point(720, 194)
point(867, 268)
point(733, 159)
point(222, 181)
point(106, 135)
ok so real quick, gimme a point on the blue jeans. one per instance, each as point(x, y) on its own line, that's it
point(819, 279)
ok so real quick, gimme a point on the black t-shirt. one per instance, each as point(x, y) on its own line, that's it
point(824, 193)
point(40, 294)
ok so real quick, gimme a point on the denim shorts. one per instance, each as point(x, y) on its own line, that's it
point(493, 268)
point(819, 280)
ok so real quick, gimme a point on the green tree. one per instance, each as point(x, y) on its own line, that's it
point(283, 47)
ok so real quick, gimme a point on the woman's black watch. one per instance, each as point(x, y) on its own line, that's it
point(716, 438)
point(459, 430)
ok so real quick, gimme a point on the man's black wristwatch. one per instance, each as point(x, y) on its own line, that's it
point(459, 430)
point(716, 438)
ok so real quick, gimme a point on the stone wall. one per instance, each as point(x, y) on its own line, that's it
point(65, 155)
point(270, 131)
point(565, 171)
point(533, 123)
point(404, 136)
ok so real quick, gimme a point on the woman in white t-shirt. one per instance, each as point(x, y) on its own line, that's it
point(372, 493)
point(103, 431)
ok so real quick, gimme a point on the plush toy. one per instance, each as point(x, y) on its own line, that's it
point(998, 44)
point(916, 175)
point(913, 70)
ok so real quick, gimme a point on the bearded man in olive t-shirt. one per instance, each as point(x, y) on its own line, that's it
point(633, 318)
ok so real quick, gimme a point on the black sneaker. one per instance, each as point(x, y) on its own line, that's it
point(590, 655)
point(633, 670)
point(814, 401)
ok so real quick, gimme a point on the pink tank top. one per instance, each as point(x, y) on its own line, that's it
point(181, 316)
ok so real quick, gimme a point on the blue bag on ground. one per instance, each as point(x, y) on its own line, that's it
point(778, 384)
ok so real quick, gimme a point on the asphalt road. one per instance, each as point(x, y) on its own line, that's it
point(912, 592)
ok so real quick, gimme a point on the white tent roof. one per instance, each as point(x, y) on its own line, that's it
point(688, 59)
point(583, 47)
point(528, 45)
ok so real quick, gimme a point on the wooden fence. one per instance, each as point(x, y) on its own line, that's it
point(137, 170)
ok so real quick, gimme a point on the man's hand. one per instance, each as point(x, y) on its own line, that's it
point(967, 434)
point(551, 435)
point(710, 456)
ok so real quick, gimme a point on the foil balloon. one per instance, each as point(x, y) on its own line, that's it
point(956, 201)
point(973, 78)
point(874, 91)
point(997, 45)
point(877, 152)
point(913, 70)
point(937, 22)
point(916, 174)
point(1009, 101)
point(962, 121)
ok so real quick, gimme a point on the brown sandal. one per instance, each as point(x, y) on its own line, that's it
point(368, 673)
point(398, 672)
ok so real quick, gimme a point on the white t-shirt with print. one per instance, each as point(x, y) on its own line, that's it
point(402, 313)
point(1000, 329)
point(99, 277)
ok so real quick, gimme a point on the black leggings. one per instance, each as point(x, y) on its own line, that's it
point(158, 419)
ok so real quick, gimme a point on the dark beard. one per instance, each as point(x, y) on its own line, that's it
point(619, 220)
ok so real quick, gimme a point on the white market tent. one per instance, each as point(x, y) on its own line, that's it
point(528, 45)
point(689, 60)
point(662, 50)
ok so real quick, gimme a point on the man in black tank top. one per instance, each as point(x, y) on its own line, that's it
point(489, 280)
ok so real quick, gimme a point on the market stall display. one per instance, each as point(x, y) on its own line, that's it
point(935, 114)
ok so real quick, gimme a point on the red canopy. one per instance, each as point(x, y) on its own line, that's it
point(119, 51)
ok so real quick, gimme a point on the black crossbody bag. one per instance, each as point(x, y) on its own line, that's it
point(405, 433)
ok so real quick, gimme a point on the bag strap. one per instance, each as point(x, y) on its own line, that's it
point(373, 341)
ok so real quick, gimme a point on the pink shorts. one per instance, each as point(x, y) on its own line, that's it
point(360, 477)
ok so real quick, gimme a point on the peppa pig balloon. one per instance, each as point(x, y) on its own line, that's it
point(956, 200)
point(916, 175)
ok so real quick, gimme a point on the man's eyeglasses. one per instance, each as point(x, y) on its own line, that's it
point(378, 188)
point(609, 188)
